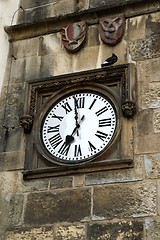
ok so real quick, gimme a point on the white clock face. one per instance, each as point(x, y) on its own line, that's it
point(79, 127)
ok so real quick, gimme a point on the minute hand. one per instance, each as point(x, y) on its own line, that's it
point(70, 138)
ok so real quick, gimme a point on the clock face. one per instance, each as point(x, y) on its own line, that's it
point(79, 127)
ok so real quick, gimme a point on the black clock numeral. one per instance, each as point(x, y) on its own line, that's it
point(91, 146)
point(77, 151)
point(53, 129)
point(64, 149)
point(59, 117)
point(67, 107)
point(55, 140)
point(80, 102)
point(92, 104)
point(101, 135)
point(105, 122)
point(104, 109)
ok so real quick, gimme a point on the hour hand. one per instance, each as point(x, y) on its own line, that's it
point(70, 138)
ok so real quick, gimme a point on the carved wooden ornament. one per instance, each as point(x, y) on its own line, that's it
point(73, 35)
point(112, 28)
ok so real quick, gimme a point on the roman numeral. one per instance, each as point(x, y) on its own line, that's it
point(55, 140)
point(92, 103)
point(104, 109)
point(80, 102)
point(91, 146)
point(53, 129)
point(67, 107)
point(59, 117)
point(101, 135)
point(64, 149)
point(105, 122)
point(77, 151)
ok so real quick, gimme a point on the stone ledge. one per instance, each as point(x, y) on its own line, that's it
point(49, 23)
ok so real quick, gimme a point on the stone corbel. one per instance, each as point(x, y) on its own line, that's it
point(26, 122)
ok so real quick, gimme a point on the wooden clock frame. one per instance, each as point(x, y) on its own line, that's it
point(121, 80)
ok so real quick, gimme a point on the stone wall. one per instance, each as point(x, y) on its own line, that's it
point(114, 204)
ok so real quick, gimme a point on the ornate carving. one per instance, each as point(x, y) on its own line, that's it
point(73, 35)
point(129, 109)
point(111, 29)
point(26, 122)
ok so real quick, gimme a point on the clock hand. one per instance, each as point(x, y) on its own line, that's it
point(75, 110)
point(70, 138)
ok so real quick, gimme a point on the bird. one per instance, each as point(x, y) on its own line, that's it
point(110, 61)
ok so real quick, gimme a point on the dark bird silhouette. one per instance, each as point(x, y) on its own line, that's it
point(109, 61)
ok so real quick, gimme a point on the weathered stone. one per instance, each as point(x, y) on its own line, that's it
point(156, 120)
point(36, 185)
point(152, 165)
point(57, 206)
point(93, 36)
point(129, 200)
point(145, 129)
point(151, 98)
point(78, 181)
point(123, 175)
point(152, 228)
point(132, 230)
point(55, 9)
point(31, 4)
point(145, 48)
point(146, 144)
point(16, 209)
point(28, 234)
point(61, 182)
point(153, 24)
point(4, 213)
point(136, 28)
point(110, 3)
point(12, 160)
point(69, 232)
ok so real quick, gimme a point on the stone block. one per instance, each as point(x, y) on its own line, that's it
point(55, 9)
point(31, 4)
point(153, 24)
point(57, 206)
point(110, 3)
point(142, 49)
point(132, 230)
point(127, 200)
point(156, 120)
point(82, 5)
point(117, 176)
point(135, 28)
point(146, 144)
point(30, 234)
point(152, 165)
point(69, 232)
point(152, 227)
point(4, 213)
point(147, 128)
point(151, 98)
point(61, 182)
point(35, 185)
point(86, 59)
point(12, 160)
point(16, 209)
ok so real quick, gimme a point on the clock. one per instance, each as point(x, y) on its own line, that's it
point(78, 124)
